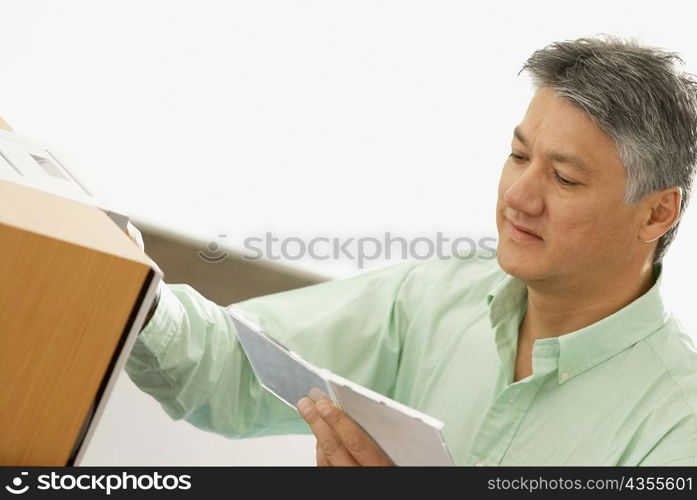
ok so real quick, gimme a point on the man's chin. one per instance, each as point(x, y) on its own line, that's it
point(519, 262)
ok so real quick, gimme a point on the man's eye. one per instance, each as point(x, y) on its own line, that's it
point(516, 157)
point(564, 182)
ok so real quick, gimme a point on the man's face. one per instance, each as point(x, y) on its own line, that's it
point(565, 182)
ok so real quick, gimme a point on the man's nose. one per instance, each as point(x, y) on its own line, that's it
point(525, 193)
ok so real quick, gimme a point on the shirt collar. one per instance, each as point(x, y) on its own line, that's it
point(585, 348)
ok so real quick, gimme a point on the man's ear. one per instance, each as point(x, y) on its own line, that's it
point(662, 209)
point(4, 125)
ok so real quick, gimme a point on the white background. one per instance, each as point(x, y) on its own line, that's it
point(305, 118)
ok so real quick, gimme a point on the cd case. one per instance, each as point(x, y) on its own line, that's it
point(406, 435)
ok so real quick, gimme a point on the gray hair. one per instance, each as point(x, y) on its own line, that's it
point(639, 97)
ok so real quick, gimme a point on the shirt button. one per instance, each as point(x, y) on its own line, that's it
point(564, 375)
point(514, 396)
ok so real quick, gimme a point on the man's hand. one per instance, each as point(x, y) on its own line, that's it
point(340, 440)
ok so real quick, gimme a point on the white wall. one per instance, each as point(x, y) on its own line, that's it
point(306, 118)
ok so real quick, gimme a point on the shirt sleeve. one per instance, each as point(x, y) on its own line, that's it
point(678, 447)
point(189, 359)
point(678, 462)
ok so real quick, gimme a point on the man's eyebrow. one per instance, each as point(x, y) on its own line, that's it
point(571, 160)
point(556, 156)
point(519, 136)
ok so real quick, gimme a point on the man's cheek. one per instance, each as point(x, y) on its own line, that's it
point(575, 240)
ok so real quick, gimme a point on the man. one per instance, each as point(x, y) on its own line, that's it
point(559, 352)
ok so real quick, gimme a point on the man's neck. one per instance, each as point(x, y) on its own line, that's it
point(554, 312)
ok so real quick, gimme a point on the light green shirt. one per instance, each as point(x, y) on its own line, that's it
point(440, 336)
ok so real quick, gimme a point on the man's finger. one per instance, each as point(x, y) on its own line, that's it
point(358, 443)
point(334, 450)
point(321, 457)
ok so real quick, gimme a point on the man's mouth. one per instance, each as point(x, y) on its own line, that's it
point(522, 233)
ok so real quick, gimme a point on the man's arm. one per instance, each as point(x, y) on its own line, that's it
point(189, 359)
point(678, 447)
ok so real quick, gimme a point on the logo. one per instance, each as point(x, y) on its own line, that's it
point(213, 248)
point(17, 483)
